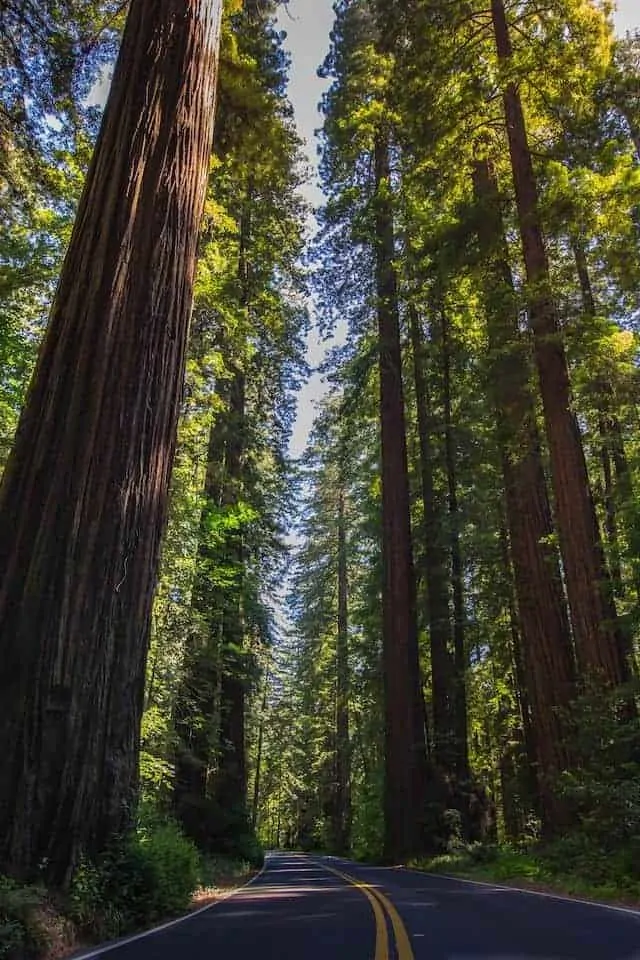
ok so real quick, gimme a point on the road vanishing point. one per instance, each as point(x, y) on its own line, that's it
point(302, 907)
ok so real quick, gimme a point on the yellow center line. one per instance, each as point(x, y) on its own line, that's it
point(403, 944)
point(382, 943)
point(379, 903)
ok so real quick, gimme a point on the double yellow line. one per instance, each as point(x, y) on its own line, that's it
point(380, 903)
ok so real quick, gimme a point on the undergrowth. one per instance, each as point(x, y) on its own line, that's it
point(153, 874)
point(21, 932)
point(571, 865)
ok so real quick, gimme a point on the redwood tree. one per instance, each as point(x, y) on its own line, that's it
point(405, 749)
point(341, 830)
point(83, 498)
point(549, 675)
point(599, 646)
point(436, 562)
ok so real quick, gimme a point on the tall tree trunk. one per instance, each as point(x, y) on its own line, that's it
point(83, 497)
point(459, 616)
point(342, 798)
point(626, 494)
point(230, 784)
point(210, 712)
point(258, 774)
point(593, 613)
point(522, 681)
point(405, 755)
point(197, 706)
point(603, 395)
point(611, 448)
point(436, 563)
point(549, 673)
point(610, 510)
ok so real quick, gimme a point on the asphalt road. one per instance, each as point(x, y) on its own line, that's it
point(323, 908)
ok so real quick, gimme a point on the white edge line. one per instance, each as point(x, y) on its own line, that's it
point(531, 893)
point(165, 926)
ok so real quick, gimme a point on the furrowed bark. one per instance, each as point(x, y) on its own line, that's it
point(548, 658)
point(459, 646)
point(435, 564)
point(405, 754)
point(83, 498)
point(593, 614)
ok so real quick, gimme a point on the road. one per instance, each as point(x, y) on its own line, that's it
point(323, 908)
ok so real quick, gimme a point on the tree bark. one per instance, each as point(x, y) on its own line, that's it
point(405, 755)
point(258, 774)
point(342, 825)
point(603, 394)
point(549, 673)
point(610, 511)
point(611, 449)
point(459, 646)
point(522, 680)
point(593, 611)
point(83, 498)
point(436, 564)
point(626, 495)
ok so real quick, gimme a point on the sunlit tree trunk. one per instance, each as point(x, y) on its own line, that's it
point(593, 614)
point(608, 425)
point(83, 498)
point(549, 671)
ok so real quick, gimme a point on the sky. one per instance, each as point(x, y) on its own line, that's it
point(627, 16)
point(308, 24)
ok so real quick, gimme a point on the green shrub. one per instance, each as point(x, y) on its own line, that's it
point(483, 852)
point(85, 893)
point(20, 931)
point(603, 788)
point(147, 876)
point(152, 875)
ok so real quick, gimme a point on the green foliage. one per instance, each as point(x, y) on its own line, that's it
point(221, 831)
point(368, 825)
point(572, 865)
point(21, 929)
point(150, 875)
point(603, 788)
point(153, 876)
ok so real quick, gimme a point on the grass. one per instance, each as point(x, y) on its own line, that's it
point(564, 867)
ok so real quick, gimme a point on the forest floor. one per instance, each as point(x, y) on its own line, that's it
point(595, 875)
